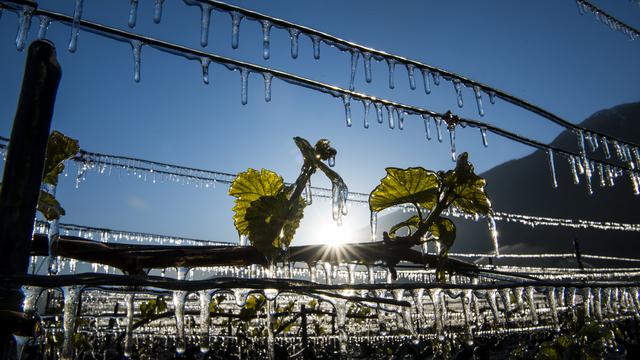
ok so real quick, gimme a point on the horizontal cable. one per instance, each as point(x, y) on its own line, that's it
point(348, 45)
point(611, 21)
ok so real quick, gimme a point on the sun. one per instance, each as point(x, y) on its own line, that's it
point(333, 235)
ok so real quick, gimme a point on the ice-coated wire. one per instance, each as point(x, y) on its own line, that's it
point(603, 16)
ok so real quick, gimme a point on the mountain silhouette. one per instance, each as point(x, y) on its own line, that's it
point(523, 186)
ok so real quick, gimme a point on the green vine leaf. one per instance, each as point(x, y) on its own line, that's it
point(248, 187)
point(467, 188)
point(59, 148)
point(49, 206)
point(401, 186)
point(255, 304)
point(444, 230)
point(271, 224)
point(411, 223)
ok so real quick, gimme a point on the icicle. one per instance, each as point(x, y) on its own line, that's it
point(271, 294)
point(492, 97)
point(133, 13)
point(24, 23)
point(178, 304)
point(294, 34)
point(128, 337)
point(390, 111)
point(354, 66)
point(597, 303)
point(267, 86)
point(136, 46)
point(341, 321)
point(205, 61)
point(31, 295)
point(243, 240)
point(244, 80)
point(553, 308)
point(593, 141)
point(466, 311)
point(493, 231)
point(236, 18)
point(266, 36)
point(437, 310)
point(52, 236)
point(326, 266)
point(240, 296)
point(457, 86)
point(71, 295)
point(271, 355)
point(77, 14)
point(205, 20)
point(157, 11)
point(331, 161)
point(373, 225)
point(438, 130)
point(313, 272)
point(366, 57)
point(560, 294)
point(491, 298)
point(572, 299)
point(427, 125)
point(45, 21)
point(505, 296)
point(436, 78)
point(518, 294)
point(605, 146)
point(585, 161)
point(532, 305)
point(603, 181)
point(351, 271)
point(452, 142)
point(392, 66)
point(425, 80)
point(586, 302)
point(366, 103)
point(315, 39)
point(478, 94)
point(205, 320)
point(574, 171)
point(552, 168)
point(401, 114)
point(346, 100)
point(483, 133)
point(412, 78)
point(378, 107)
point(308, 195)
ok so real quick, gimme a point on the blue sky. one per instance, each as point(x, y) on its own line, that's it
point(541, 51)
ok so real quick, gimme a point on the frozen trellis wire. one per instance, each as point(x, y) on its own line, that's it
point(585, 6)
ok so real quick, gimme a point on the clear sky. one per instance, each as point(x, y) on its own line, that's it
point(542, 51)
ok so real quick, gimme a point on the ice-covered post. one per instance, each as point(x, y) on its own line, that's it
point(23, 170)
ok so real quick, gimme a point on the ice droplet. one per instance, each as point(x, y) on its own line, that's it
point(157, 11)
point(412, 77)
point(457, 86)
point(77, 14)
point(390, 111)
point(244, 84)
point(266, 38)
point(267, 86)
point(204, 62)
point(438, 129)
point(478, 94)
point(346, 100)
point(401, 114)
point(308, 193)
point(367, 66)
point(24, 23)
point(236, 18)
point(45, 21)
point(483, 132)
point(452, 142)
point(392, 66)
point(315, 39)
point(366, 103)
point(378, 107)
point(136, 46)
point(552, 168)
point(133, 13)
point(574, 171)
point(354, 66)
point(205, 20)
point(492, 97)
point(427, 125)
point(426, 81)
point(294, 34)
point(436, 78)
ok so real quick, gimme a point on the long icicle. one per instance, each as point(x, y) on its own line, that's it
point(552, 168)
point(266, 39)
point(133, 13)
point(354, 66)
point(77, 15)
point(294, 34)
point(205, 20)
point(157, 11)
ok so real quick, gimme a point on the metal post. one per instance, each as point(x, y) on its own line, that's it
point(24, 166)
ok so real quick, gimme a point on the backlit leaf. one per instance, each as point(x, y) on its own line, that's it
point(467, 188)
point(49, 206)
point(405, 186)
point(59, 148)
point(444, 230)
point(411, 223)
point(248, 187)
